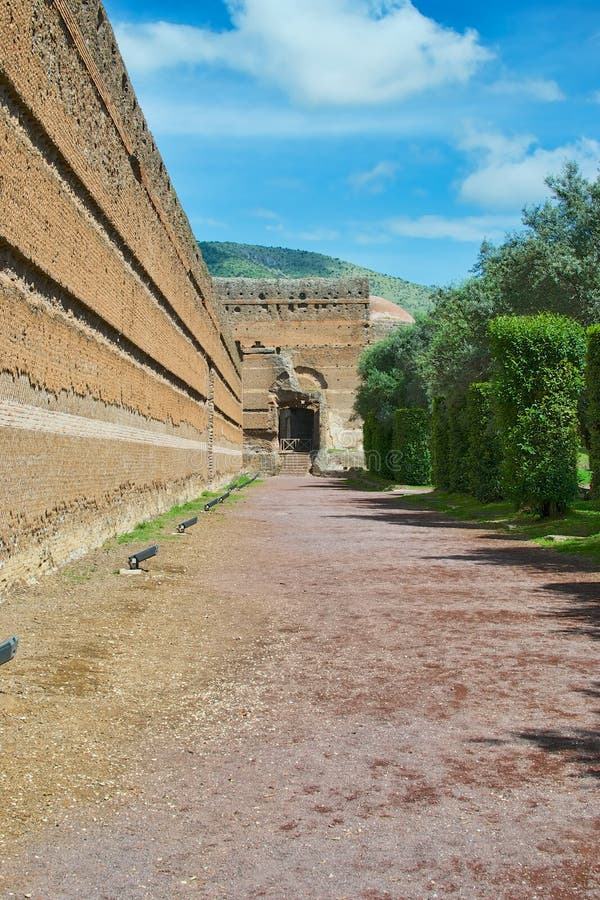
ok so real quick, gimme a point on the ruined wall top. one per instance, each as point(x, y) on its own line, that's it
point(292, 290)
point(89, 32)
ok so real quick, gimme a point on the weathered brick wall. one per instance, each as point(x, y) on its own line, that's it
point(299, 338)
point(120, 383)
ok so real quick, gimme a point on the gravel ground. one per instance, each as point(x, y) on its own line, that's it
point(316, 693)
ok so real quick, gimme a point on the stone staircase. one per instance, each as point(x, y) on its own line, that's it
point(294, 463)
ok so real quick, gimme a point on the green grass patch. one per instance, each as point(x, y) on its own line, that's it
point(78, 574)
point(583, 468)
point(153, 529)
point(580, 524)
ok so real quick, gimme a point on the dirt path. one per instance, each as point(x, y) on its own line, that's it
point(320, 694)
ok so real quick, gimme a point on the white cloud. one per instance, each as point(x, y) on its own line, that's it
point(511, 172)
point(320, 52)
point(539, 88)
point(261, 213)
point(470, 229)
point(374, 179)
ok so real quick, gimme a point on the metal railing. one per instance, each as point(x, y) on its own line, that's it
point(296, 445)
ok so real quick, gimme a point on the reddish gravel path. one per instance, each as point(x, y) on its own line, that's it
point(414, 713)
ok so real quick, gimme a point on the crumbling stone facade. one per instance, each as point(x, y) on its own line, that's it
point(300, 341)
point(120, 382)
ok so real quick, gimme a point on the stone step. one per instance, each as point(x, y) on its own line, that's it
point(294, 463)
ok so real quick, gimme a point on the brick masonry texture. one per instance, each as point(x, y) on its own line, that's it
point(120, 382)
point(300, 341)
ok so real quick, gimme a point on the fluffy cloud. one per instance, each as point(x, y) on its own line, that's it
point(511, 173)
point(320, 52)
point(470, 229)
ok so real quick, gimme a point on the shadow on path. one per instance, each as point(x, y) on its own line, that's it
point(581, 744)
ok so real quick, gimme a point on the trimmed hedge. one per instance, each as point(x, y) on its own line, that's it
point(410, 458)
point(592, 378)
point(440, 469)
point(377, 442)
point(485, 448)
point(458, 445)
point(538, 380)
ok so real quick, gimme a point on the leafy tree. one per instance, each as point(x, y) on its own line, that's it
point(554, 264)
point(458, 352)
point(392, 373)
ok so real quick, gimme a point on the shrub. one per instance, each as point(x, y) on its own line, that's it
point(458, 445)
point(485, 450)
point(440, 470)
point(410, 458)
point(537, 384)
point(592, 377)
point(377, 439)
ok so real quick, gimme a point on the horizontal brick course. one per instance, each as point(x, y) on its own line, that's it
point(120, 383)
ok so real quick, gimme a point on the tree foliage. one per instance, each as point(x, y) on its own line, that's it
point(592, 377)
point(538, 378)
point(554, 264)
point(440, 457)
point(551, 266)
point(410, 458)
point(392, 373)
point(485, 448)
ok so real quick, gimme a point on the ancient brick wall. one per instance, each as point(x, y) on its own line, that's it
point(120, 383)
point(300, 341)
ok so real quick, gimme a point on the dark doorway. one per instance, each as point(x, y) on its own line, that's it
point(298, 429)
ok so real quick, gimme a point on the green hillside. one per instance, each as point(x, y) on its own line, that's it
point(229, 260)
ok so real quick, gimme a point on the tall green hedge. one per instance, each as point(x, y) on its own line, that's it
point(538, 379)
point(485, 449)
point(377, 441)
point(440, 470)
point(458, 445)
point(410, 458)
point(592, 378)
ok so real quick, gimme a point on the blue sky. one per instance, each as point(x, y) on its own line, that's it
point(393, 135)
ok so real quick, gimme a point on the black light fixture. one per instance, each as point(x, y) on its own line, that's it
point(8, 650)
point(187, 524)
point(136, 558)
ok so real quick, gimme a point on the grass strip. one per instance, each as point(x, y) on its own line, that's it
point(155, 528)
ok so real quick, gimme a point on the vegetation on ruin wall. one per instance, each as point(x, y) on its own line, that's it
point(539, 362)
point(230, 260)
point(410, 458)
point(485, 449)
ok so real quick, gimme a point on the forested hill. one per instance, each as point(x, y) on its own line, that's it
point(229, 260)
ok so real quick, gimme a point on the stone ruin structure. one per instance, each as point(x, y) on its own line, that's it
point(122, 362)
point(120, 382)
point(300, 341)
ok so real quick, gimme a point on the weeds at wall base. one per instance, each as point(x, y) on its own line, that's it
point(155, 528)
